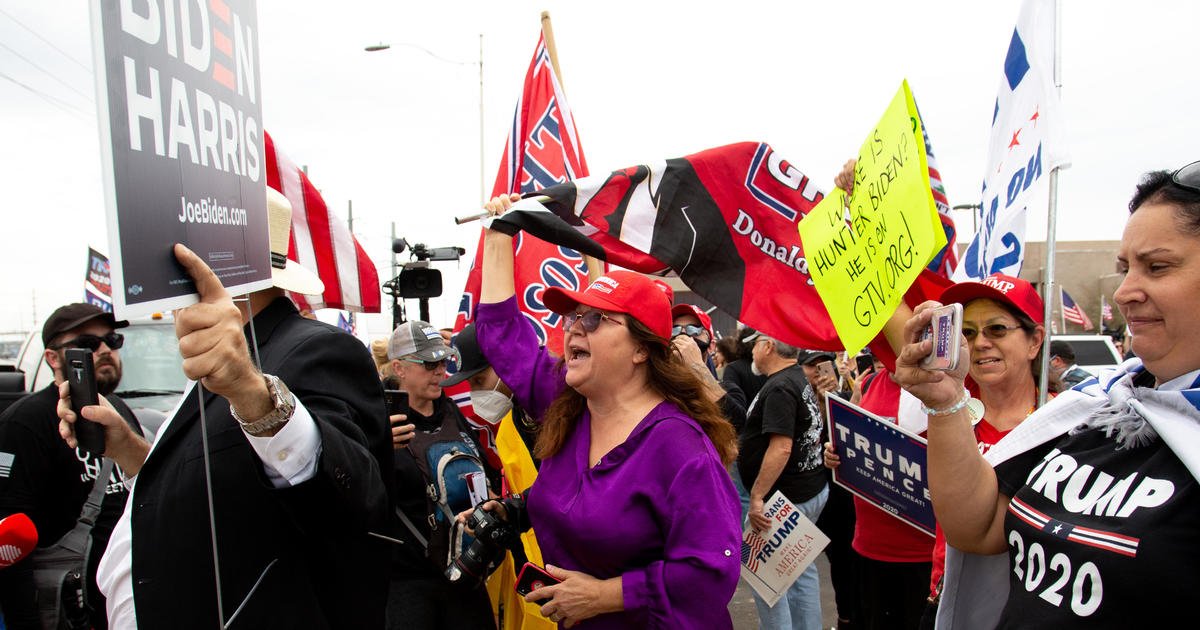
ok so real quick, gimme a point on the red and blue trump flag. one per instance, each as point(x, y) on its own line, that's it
point(723, 219)
point(543, 150)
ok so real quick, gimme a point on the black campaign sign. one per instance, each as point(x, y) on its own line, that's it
point(182, 145)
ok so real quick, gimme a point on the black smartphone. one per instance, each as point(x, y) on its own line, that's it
point(531, 578)
point(864, 363)
point(81, 374)
point(397, 401)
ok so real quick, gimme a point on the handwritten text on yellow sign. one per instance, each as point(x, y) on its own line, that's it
point(863, 259)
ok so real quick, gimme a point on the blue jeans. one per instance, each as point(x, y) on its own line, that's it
point(800, 606)
point(743, 494)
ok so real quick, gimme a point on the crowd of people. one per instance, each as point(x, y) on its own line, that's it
point(307, 481)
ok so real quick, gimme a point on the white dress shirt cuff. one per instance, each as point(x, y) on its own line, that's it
point(290, 456)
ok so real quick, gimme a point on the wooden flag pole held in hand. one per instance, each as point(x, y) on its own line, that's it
point(594, 265)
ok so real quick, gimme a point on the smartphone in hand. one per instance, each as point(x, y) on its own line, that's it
point(826, 369)
point(396, 400)
point(945, 329)
point(531, 578)
point(81, 376)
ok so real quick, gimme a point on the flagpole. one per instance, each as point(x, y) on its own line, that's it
point(1062, 310)
point(594, 266)
point(482, 191)
point(1051, 218)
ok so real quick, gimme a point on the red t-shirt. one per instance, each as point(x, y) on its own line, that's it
point(877, 534)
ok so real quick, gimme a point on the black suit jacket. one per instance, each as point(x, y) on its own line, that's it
point(328, 572)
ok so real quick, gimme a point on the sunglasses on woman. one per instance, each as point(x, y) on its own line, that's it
point(991, 331)
point(589, 320)
point(113, 340)
point(429, 365)
point(1188, 177)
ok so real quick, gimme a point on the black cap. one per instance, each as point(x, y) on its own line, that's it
point(810, 356)
point(1062, 350)
point(74, 315)
point(470, 361)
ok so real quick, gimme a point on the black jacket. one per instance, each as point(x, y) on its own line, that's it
point(330, 573)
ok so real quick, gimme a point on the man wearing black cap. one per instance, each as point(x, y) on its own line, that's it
point(491, 398)
point(45, 479)
point(781, 450)
point(1062, 363)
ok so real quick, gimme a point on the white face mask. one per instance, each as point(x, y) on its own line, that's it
point(490, 404)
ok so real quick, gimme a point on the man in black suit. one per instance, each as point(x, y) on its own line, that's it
point(296, 485)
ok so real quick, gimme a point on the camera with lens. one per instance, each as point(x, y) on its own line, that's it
point(493, 535)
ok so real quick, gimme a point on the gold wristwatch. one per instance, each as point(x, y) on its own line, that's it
point(284, 405)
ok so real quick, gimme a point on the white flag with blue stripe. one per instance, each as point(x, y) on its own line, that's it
point(1027, 142)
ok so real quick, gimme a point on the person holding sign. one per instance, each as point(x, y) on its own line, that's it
point(1094, 497)
point(297, 444)
point(781, 450)
point(632, 505)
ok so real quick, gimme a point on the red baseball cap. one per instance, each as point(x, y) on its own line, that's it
point(692, 309)
point(1014, 292)
point(621, 292)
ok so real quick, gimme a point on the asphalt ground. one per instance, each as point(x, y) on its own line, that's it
point(745, 614)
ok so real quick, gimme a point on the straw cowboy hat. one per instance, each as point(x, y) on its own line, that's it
point(287, 274)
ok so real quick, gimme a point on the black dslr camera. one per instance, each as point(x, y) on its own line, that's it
point(493, 535)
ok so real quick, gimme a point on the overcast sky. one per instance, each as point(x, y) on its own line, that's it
point(397, 132)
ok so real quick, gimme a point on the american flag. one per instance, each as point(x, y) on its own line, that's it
point(1098, 538)
point(1072, 313)
point(946, 260)
point(322, 242)
point(752, 545)
point(1105, 309)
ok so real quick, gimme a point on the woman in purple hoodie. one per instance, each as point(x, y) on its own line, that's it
point(633, 507)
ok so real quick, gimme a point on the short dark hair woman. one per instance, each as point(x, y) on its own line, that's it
point(1094, 496)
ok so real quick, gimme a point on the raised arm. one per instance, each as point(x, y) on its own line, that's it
point(966, 496)
point(497, 278)
point(506, 338)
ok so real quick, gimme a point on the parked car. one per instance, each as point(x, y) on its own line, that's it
point(1092, 352)
point(152, 377)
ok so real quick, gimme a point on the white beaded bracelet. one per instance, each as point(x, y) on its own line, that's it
point(962, 402)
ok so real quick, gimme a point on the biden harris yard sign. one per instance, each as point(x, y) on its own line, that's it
point(177, 86)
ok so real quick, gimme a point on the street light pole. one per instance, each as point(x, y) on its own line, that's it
point(382, 46)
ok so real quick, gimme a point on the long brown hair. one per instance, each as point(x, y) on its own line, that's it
point(667, 376)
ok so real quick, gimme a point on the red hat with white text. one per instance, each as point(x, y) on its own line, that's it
point(1014, 292)
point(622, 292)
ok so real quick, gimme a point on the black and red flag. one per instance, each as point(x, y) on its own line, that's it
point(723, 219)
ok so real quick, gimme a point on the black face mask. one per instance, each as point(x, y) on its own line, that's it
point(703, 345)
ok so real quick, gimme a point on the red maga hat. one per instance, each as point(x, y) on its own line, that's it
point(621, 292)
point(692, 309)
point(1014, 292)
